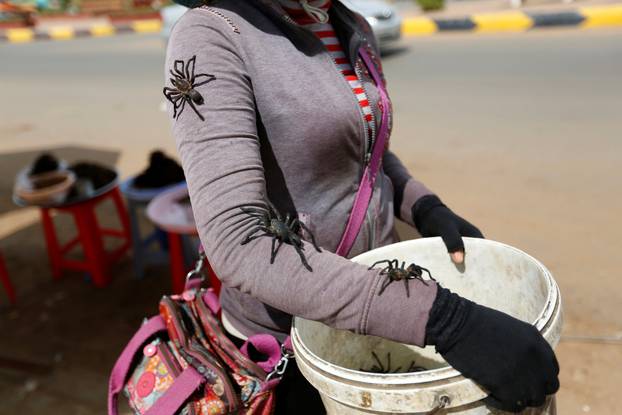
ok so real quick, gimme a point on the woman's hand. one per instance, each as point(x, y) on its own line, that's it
point(433, 218)
point(506, 356)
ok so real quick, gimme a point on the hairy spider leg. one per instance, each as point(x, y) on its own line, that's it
point(179, 72)
point(247, 237)
point(244, 210)
point(265, 214)
point(275, 251)
point(380, 365)
point(172, 93)
point(303, 226)
point(407, 287)
point(381, 262)
point(178, 108)
point(252, 238)
point(302, 258)
point(386, 283)
point(295, 239)
point(244, 224)
point(190, 73)
point(426, 270)
point(191, 103)
point(276, 212)
point(210, 78)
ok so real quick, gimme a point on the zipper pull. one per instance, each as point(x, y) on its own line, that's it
point(367, 158)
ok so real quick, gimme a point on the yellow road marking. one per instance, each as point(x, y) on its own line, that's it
point(61, 32)
point(147, 26)
point(502, 22)
point(102, 30)
point(20, 35)
point(602, 15)
point(418, 26)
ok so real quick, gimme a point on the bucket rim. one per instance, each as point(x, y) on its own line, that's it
point(442, 373)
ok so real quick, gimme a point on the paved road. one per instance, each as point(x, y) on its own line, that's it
point(520, 133)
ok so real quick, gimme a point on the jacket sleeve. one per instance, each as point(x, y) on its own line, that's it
point(407, 190)
point(219, 150)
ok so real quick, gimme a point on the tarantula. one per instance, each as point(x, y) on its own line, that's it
point(184, 82)
point(380, 368)
point(395, 272)
point(268, 221)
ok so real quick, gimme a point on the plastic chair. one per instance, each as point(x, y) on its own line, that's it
point(97, 261)
point(142, 253)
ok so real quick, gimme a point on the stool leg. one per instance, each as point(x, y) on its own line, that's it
point(6, 281)
point(92, 244)
point(178, 268)
point(137, 241)
point(123, 216)
point(51, 241)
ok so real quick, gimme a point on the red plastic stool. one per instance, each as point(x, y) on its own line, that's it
point(97, 260)
point(6, 281)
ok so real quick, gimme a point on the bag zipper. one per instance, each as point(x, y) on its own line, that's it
point(167, 359)
point(191, 353)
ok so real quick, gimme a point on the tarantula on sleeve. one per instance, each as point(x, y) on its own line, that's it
point(265, 220)
point(184, 83)
point(395, 272)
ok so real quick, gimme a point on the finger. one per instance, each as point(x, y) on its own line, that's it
point(451, 238)
point(457, 257)
point(470, 230)
point(552, 386)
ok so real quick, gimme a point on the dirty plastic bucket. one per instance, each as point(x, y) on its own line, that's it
point(494, 274)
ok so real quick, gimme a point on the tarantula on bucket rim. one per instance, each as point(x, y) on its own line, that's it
point(184, 82)
point(395, 272)
point(267, 220)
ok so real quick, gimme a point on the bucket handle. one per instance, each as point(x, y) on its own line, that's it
point(443, 401)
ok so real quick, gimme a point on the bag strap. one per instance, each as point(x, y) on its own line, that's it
point(170, 402)
point(122, 367)
point(364, 193)
point(179, 392)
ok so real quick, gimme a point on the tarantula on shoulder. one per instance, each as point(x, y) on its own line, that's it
point(395, 272)
point(267, 220)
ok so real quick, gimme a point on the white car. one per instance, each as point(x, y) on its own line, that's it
point(382, 17)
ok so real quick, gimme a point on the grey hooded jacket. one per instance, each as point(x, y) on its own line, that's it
point(279, 121)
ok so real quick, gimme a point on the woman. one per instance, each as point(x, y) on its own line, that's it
point(274, 112)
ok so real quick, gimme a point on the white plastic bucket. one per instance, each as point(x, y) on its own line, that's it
point(494, 274)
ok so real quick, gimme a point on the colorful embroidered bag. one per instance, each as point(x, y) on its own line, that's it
point(181, 361)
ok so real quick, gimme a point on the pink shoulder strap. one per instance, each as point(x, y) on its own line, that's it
point(173, 398)
point(364, 193)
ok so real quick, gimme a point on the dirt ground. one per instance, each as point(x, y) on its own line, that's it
point(532, 172)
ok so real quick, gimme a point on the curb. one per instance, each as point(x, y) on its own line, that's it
point(515, 21)
point(511, 21)
point(22, 35)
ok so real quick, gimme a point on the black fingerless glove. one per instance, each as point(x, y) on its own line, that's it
point(433, 218)
point(506, 356)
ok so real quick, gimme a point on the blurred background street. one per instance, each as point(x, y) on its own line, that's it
point(520, 133)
